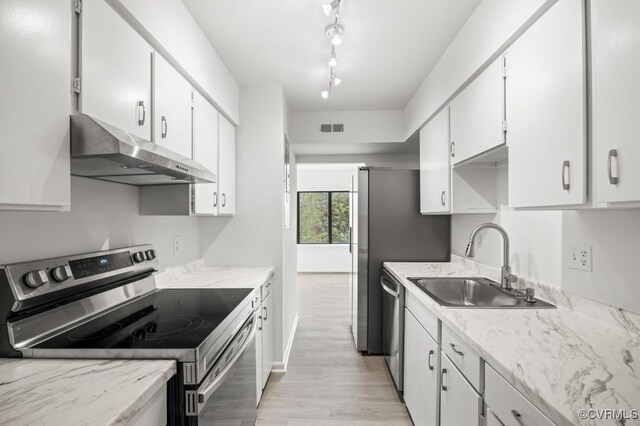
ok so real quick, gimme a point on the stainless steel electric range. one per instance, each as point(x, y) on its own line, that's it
point(106, 305)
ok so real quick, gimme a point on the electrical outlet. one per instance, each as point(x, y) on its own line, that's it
point(581, 258)
point(176, 245)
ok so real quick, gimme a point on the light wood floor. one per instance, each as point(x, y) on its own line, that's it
point(327, 381)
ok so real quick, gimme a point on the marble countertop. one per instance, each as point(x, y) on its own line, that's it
point(581, 355)
point(197, 275)
point(78, 392)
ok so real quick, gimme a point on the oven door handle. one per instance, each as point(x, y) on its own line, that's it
point(205, 394)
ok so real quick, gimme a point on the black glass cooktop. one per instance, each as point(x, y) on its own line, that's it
point(166, 319)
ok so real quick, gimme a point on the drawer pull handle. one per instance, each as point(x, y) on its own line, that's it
point(517, 416)
point(613, 180)
point(444, 371)
point(457, 351)
point(429, 360)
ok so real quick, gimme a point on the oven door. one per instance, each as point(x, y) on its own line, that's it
point(227, 396)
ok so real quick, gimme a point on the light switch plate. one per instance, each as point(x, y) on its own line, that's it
point(581, 258)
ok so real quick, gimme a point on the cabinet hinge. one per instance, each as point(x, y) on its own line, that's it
point(76, 85)
point(504, 126)
point(77, 6)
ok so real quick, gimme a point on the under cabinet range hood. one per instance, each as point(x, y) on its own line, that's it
point(102, 151)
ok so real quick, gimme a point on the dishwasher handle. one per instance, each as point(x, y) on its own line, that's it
point(386, 288)
point(205, 394)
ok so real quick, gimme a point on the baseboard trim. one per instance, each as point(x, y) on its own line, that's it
point(281, 367)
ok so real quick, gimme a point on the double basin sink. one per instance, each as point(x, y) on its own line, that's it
point(482, 293)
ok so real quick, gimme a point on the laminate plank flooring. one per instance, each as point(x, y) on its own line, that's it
point(327, 381)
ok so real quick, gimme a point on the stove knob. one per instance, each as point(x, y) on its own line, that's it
point(138, 256)
point(151, 254)
point(35, 279)
point(61, 273)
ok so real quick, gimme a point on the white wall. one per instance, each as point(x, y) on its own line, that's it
point(359, 126)
point(396, 161)
point(103, 216)
point(325, 177)
point(171, 24)
point(491, 28)
point(254, 236)
point(541, 243)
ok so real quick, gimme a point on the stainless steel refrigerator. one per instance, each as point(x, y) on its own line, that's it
point(387, 227)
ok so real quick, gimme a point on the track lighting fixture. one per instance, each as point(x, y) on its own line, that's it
point(334, 32)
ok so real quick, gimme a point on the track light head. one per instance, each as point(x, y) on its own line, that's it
point(335, 33)
point(333, 61)
point(330, 7)
point(336, 80)
point(325, 94)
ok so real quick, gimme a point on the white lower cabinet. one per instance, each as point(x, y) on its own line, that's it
point(264, 339)
point(460, 404)
point(508, 405)
point(154, 413)
point(420, 373)
point(268, 331)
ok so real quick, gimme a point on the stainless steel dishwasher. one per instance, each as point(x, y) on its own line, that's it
point(393, 327)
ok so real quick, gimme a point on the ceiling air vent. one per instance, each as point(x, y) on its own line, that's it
point(332, 128)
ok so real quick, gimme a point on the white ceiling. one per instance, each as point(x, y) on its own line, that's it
point(389, 46)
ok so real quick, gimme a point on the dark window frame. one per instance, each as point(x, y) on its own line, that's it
point(330, 218)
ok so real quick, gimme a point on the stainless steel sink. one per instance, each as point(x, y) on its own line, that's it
point(483, 293)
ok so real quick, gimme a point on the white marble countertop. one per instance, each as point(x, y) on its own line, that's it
point(78, 392)
point(197, 275)
point(581, 355)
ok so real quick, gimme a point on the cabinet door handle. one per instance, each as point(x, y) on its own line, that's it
point(141, 108)
point(453, 148)
point(215, 199)
point(261, 324)
point(442, 195)
point(266, 313)
point(457, 351)
point(164, 127)
point(429, 360)
point(613, 180)
point(517, 417)
point(444, 371)
point(224, 199)
point(565, 175)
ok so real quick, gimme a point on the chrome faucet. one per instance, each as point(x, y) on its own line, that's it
point(507, 277)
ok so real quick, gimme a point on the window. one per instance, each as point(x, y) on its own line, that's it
point(323, 217)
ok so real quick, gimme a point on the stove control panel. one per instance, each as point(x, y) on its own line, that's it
point(40, 281)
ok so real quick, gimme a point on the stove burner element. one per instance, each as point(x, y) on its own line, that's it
point(173, 326)
point(78, 335)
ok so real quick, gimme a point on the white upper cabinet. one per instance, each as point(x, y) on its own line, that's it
point(435, 172)
point(205, 151)
point(546, 110)
point(172, 108)
point(115, 68)
point(35, 41)
point(226, 168)
point(477, 115)
point(615, 47)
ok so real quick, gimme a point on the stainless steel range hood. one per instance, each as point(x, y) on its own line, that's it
point(102, 151)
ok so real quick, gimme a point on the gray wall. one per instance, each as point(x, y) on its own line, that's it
point(103, 216)
point(255, 235)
